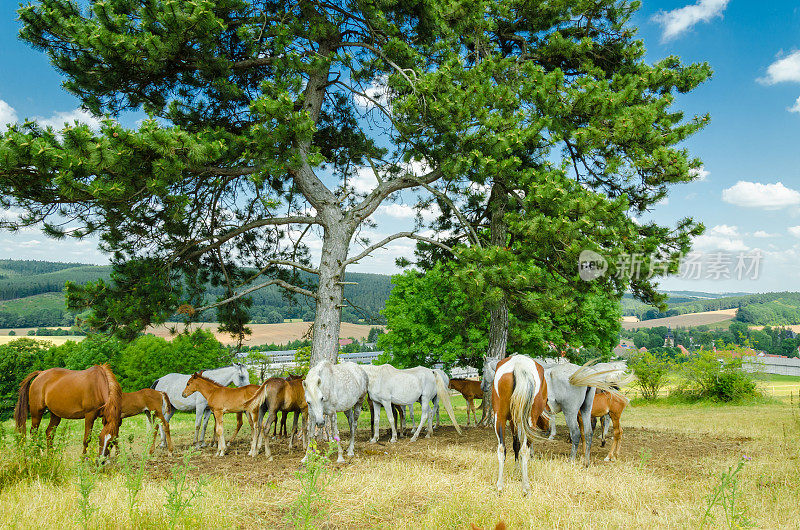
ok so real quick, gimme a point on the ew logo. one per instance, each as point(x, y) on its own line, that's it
point(591, 265)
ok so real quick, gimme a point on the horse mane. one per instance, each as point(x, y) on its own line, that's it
point(112, 409)
point(199, 375)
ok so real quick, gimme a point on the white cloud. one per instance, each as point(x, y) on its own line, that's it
point(59, 119)
point(795, 107)
point(364, 180)
point(794, 230)
point(376, 92)
point(757, 195)
point(7, 114)
point(721, 237)
point(763, 234)
point(400, 211)
point(785, 69)
point(699, 173)
point(680, 20)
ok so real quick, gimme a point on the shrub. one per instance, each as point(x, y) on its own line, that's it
point(94, 349)
point(651, 374)
point(718, 379)
point(18, 358)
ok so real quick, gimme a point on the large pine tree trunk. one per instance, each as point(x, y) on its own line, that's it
point(335, 244)
point(498, 317)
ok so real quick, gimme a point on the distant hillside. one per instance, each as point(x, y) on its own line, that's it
point(760, 308)
point(31, 295)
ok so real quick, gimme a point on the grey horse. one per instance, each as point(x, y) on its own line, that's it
point(173, 385)
point(616, 375)
point(332, 388)
point(389, 385)
point(446, 379)
point(571, 389)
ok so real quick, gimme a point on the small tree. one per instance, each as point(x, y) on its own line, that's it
point(651, 374)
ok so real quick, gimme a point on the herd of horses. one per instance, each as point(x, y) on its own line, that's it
point(525, 394)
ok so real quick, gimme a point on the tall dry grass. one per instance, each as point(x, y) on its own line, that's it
point(669, 464)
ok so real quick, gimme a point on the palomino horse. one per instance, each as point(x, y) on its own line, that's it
point(519, 394)
point(332, 388)
point(222, 399)
point(571, 390)
point(388, 385)
point(173, 385)
point(471, 390)
point(612, 405)
point(74, 395)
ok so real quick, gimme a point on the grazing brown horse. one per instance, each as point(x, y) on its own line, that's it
point(149, 401)
point(222, 399)
point(608, 403)
point(519, 395)
point(74, 395)
point(471, 390)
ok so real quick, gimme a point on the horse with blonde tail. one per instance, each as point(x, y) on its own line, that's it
point(73, 395)
point(519, 395)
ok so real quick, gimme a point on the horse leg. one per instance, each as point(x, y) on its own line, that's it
point(376, 422)
point(165, 428)
point(574, 432)
point(436, 409)
point(525, 458)
point(411, 413)
point(238, 426)
point(294, 430)
point(604, 432)
point(219, 428)
point(424, 417)
point(387, 406)
point(206, 417)
point(48, 433)
point(586, 415)
point(87, 429)
point(614, 452)
point(167, 417)
point(198, 422)
point(501, 451)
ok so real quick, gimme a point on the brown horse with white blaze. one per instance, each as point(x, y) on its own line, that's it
point(519, 395)
point(73, 395)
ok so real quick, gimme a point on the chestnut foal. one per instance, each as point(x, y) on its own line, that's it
point(613, 405)
point(471, 390)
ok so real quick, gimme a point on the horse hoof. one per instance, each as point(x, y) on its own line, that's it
point(413, 439)
point(373, 440)
point(340, 460)
point(393, 441)
point(270, 459)
point(602, 444)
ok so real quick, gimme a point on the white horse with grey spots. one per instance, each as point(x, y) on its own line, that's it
point(616, 375)
point(446, 379)
point(389, 385)
point(174, 384)
point(332, 388)
point(571, 389)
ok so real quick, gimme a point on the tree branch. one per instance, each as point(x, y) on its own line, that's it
point(387, 187)
point(411, 235)
point(461, 217)
point(286, 285)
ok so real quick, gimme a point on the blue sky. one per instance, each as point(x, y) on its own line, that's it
point(749, 198)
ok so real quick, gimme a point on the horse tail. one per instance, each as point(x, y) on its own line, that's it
point(153, 386)
point(112, 410)
point(606, 380)
point(166, 405)
point(444, 398)
point(521, 402)
point(258, 398)
point(21, 410)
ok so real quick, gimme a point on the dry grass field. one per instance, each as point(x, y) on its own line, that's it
point(266, 333)
point(5, 338)
point(684, 321)
point(671, 461)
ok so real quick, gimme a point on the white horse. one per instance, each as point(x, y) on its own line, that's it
point(446, 379)
point(332, 388)
point(389, 385)
point(571, 389)
point(174, 384)
point(615, 374)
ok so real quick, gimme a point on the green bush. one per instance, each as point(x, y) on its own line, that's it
point(18, 358)
point(651, 373)
point(717, 379)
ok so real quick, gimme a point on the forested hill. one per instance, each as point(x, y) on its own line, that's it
point(31, 295)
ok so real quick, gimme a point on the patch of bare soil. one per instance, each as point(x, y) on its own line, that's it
point(663, 452)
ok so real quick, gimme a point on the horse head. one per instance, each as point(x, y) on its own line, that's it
point(191, 384)
point(316, 393)
point(242, 375)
